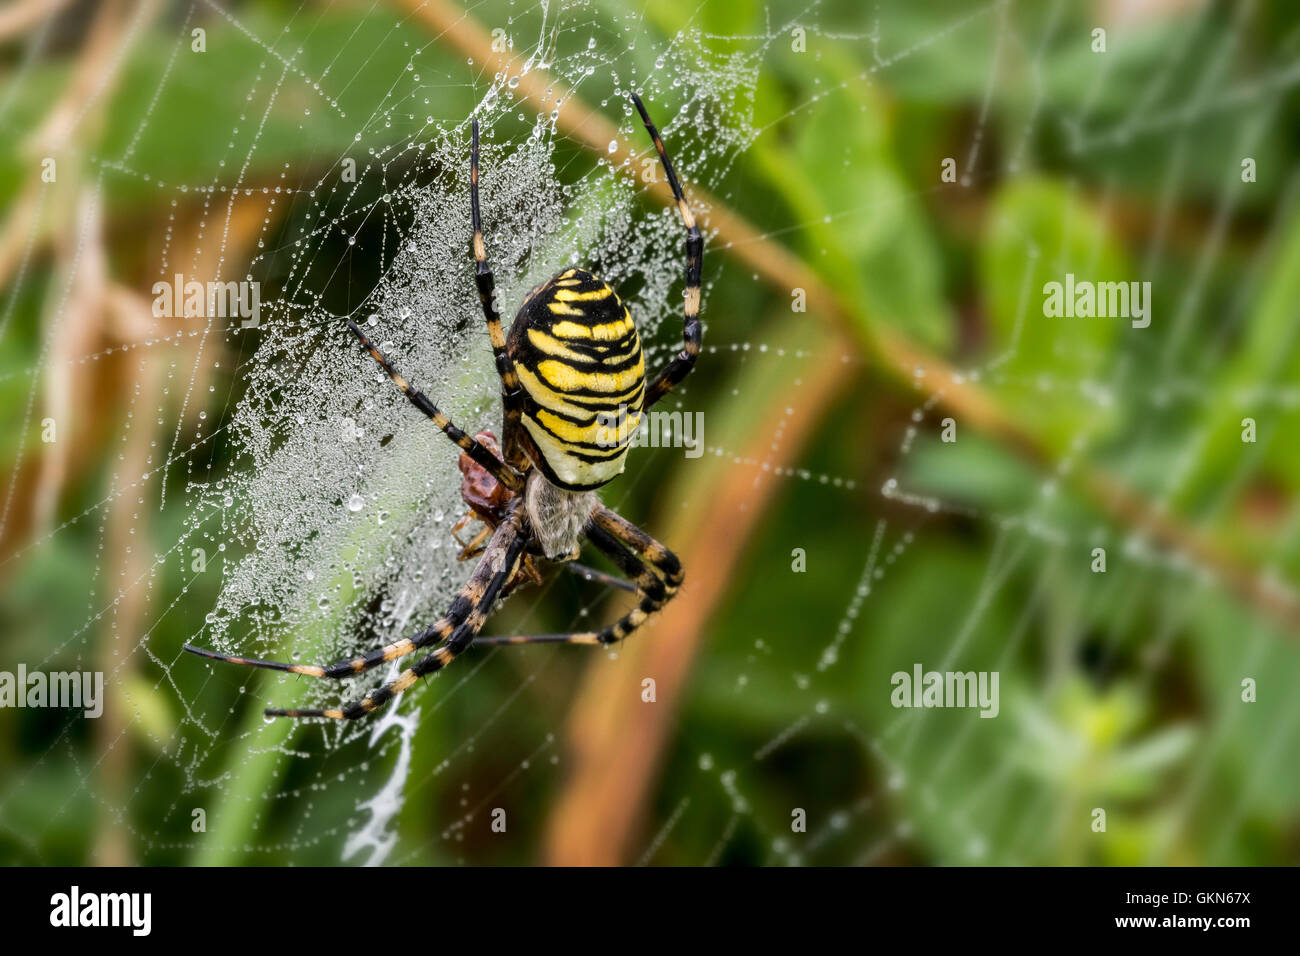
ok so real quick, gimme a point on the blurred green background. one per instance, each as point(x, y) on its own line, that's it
point(1120, 690)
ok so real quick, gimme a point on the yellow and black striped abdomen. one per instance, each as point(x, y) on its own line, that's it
point(578, 357)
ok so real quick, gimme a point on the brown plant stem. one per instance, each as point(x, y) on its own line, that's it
point(128, 544)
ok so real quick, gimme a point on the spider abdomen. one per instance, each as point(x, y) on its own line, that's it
point(576, 351)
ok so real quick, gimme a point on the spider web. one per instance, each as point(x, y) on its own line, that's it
point(308, 509)
point(330, 524)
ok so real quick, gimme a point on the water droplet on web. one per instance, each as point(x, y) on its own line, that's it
point(356, 503)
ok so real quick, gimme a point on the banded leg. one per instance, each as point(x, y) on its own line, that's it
point(655, 570)
point(498, 566)
point(482, 456)
point(439, 631)
point(659, 558)
point(684, 361)
point(511, 392)
point(352, 666)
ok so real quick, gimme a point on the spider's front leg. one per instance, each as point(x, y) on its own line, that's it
point(654, 570)
point(492, 464)
point(511, 391)
point(692, 332)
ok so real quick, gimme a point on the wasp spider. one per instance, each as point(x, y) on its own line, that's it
point(573, 389)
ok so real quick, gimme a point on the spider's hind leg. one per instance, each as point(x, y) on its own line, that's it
point(441, 630)
point(351, 666)
point(655, 573)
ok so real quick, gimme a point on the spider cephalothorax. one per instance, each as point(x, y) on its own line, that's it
point(573, 389)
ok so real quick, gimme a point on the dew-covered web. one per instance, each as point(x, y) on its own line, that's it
point(308, 510)
point(333, 527)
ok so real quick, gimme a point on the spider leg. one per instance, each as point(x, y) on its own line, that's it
point(350, 667)
point(684, 361)
point(654, 569)
point(498, 565)
point(662, 561)
point(511, 392)
point(591, 574)
point(475, 546)
point(482, 456)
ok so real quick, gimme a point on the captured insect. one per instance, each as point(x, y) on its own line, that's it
point(573, 390)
